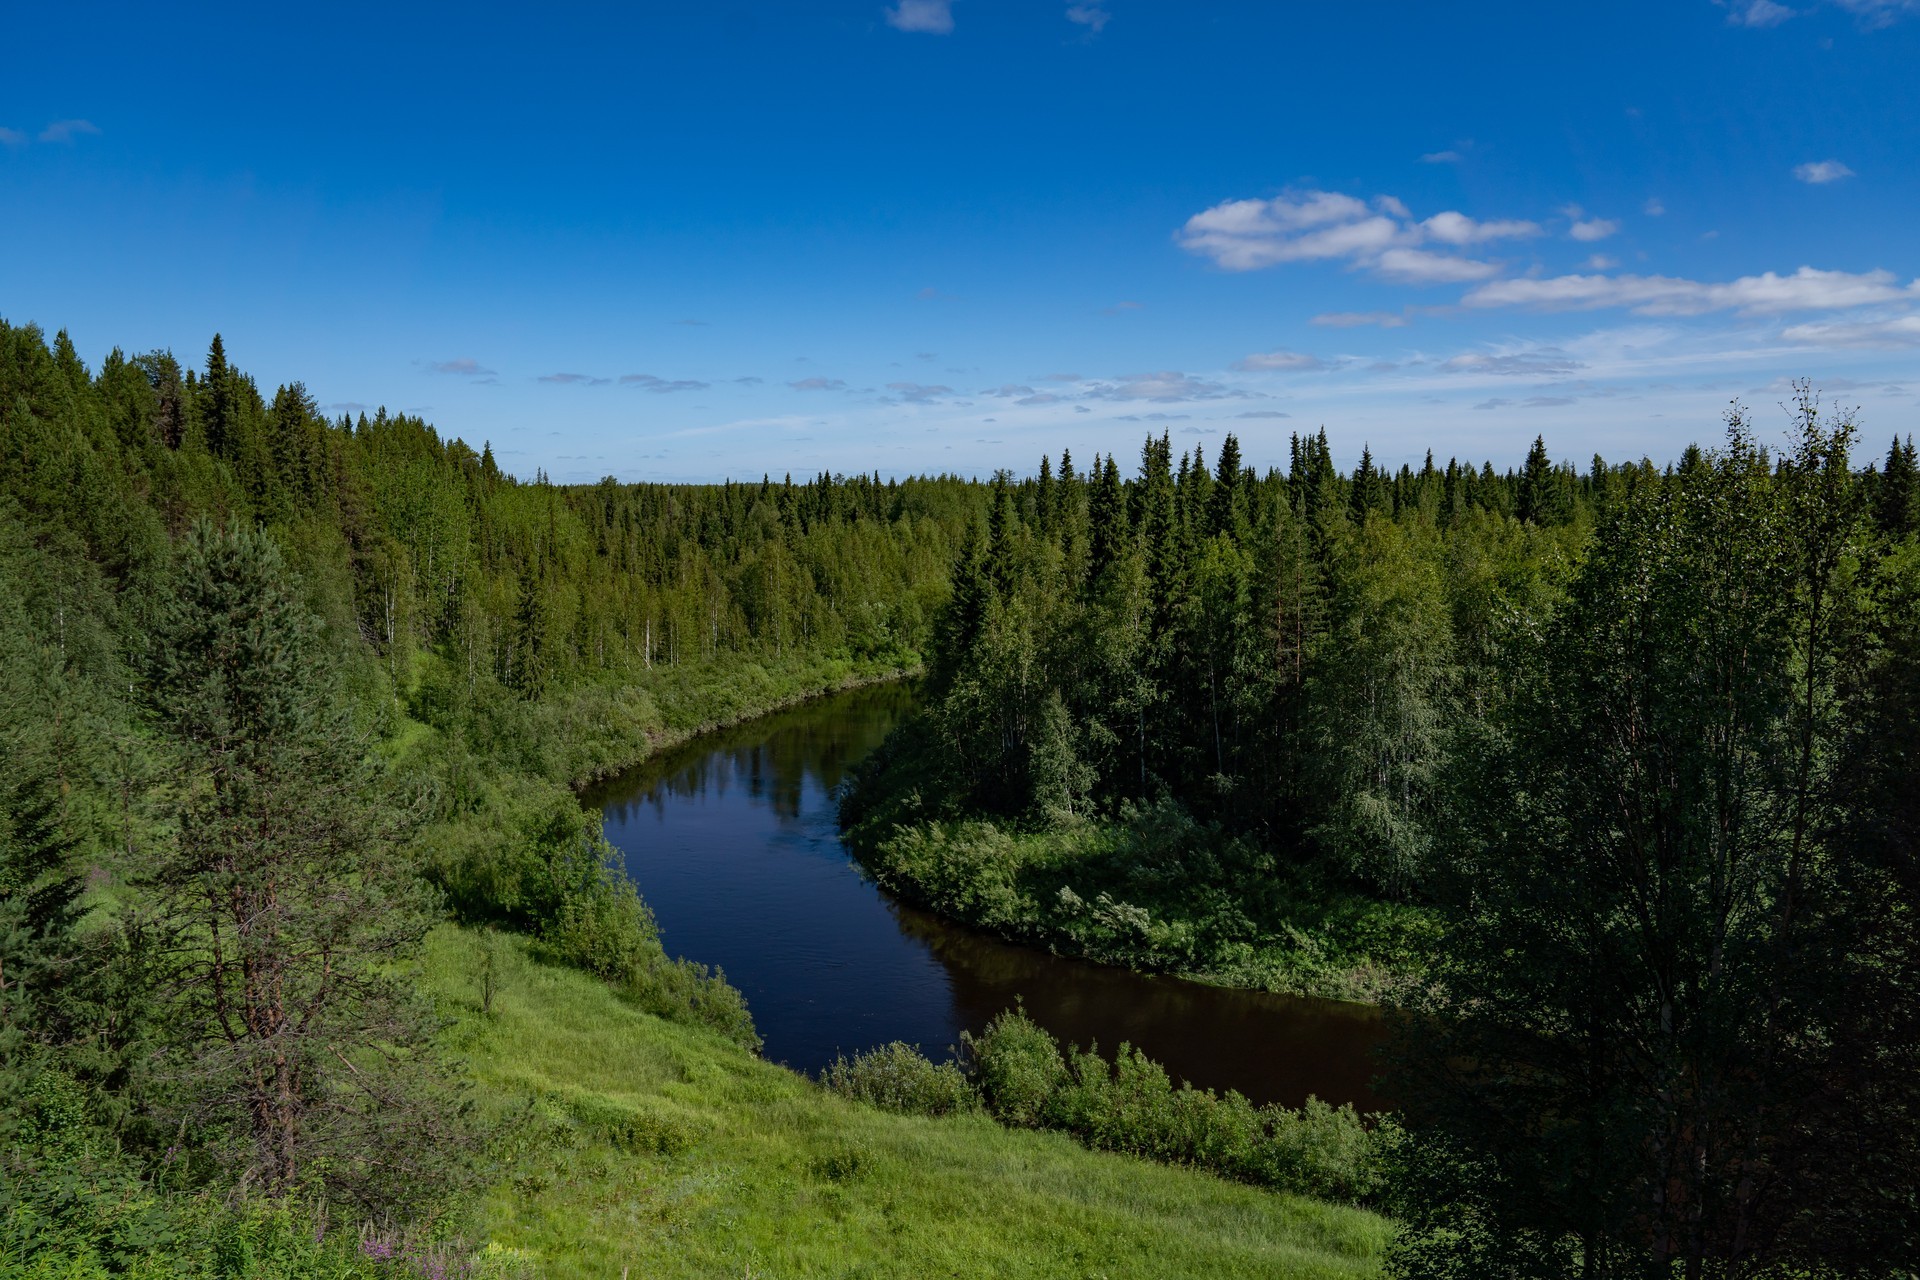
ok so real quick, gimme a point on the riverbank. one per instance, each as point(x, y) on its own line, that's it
point(663, 1150)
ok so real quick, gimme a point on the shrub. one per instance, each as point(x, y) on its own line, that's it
point(898, 1078)
point(1130, 1105)
point(1017, 1067)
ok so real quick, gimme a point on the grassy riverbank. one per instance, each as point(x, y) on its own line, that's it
point(662, 1150)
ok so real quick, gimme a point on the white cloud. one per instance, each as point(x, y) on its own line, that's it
point(1354, 319)
point(1896, 331)
point(12, 138)
point(68, 130)
point(1600, 262)
point(1820, 172)
point(1459, 229)
point(1318, 226)
point(1654, 207)
point(931, 17)
point(1587, 230)
point(1441, 157)
point(1421, 266)
point(1265, 361)
point(818, 384)
point(1091, 16)
point(1756, 13)
point(1806, 289)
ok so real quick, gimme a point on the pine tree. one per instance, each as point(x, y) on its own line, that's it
point(282, 900)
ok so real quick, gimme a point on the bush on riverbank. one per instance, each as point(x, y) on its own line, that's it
point(896, 1077)
point(1017, 1071)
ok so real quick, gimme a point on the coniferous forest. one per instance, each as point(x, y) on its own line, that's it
point(1598, 775)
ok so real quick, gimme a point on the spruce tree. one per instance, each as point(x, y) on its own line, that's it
point(1897, 505)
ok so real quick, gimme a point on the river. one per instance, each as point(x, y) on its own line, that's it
point(733, 842)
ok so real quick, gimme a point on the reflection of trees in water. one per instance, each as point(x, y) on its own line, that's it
point(774, 757)
point(1270, 1047)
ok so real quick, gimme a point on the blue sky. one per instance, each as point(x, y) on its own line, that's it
point(690, 241)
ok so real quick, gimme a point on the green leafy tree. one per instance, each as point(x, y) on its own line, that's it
point(1627, 1067)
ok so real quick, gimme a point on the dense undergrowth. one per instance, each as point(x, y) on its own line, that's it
point(1151, 888)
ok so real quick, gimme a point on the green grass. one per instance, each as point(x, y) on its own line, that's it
point(658, 1150)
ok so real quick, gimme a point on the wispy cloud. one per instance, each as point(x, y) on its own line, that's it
point(1889, 331)
point(1807, 289)
point(1094, 17)
point(1441, 157)
point(928, 17)
point(68, 130)
point(1166, 386)
point(818, 384)
point(1585, 229)
point(1121, 308)
point(661, 386)
point(463, 367)
point(1755, 13)
point(1879, 13)
point(1654, 207)
point(1820, 172)
point(1537, 362)
point(1872, 14)
point(12, 138)
point(1263, 413)
point(1356, 319)
point(1271, 361)
point(572, 379)
point(918, 393)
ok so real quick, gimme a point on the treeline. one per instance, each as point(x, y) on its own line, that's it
point(1290, 655)
point(527, 582)
point(1634, 746)
point(279, 693)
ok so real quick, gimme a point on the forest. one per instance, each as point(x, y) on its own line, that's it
point(1599, 775)
point(1601, 778)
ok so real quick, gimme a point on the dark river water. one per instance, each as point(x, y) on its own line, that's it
point(733, 842)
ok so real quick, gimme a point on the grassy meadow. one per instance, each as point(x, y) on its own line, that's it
point(648, 1148)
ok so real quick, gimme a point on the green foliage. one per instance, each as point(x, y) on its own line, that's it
point(897, 1077)
point(1151, 890)
point(1130, 1105)
point(1639, 1055)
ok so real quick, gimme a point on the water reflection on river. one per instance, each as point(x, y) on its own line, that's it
point(733, 842)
